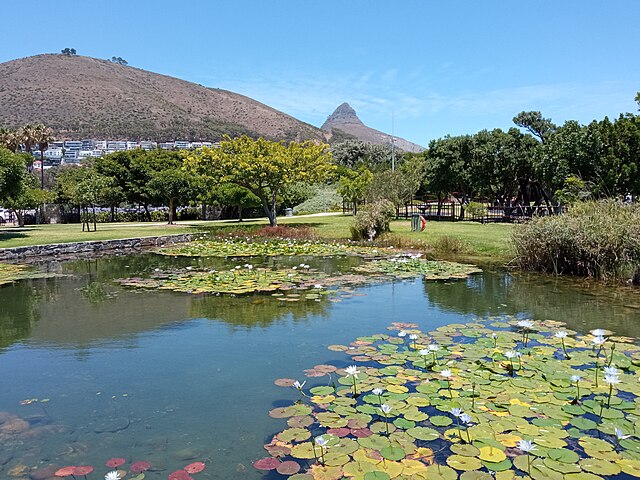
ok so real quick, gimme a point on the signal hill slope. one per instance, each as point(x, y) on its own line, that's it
point(83, 97)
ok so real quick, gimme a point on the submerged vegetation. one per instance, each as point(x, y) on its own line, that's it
point(10, 273)
point(498, 398)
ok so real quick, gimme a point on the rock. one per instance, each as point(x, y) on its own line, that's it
point(18, 470)
point(5, 457)
point(14, 425)
point(44, 473)
point(187, 454)
point(112, 426)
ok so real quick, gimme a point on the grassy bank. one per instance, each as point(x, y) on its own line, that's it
point(468, 240)
point(68, 233)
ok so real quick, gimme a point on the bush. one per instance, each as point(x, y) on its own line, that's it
point(476, 210)
point(326, 200)
point(594, 239)
point(373, 220)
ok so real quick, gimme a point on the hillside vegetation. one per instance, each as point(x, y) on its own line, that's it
point(83, 97)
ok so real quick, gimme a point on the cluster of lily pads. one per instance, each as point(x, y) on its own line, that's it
point(250, 278)
point(136, 469)
point(250, 247)
point(10, 273)
point(497, 398)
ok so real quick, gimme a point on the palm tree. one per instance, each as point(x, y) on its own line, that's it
point(42, 136)
point(9, 139)
point(26, 137)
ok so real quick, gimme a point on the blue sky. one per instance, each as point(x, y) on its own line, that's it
point(435, 67)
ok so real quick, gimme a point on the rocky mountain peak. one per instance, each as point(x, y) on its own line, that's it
point(344, 114)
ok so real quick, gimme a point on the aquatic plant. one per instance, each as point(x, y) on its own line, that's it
point(543, 419)
point(251, 247)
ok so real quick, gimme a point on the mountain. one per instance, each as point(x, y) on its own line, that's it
point(344, 123)
point(82, 97)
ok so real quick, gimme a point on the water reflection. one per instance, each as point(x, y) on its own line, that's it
point(582, 305)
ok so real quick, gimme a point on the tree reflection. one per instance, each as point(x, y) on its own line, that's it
point(582, 305)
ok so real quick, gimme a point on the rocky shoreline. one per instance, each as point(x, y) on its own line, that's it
point(34, 252)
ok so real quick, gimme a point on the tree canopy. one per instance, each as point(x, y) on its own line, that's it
point(263, 167)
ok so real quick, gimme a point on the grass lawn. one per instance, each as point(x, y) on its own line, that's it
point(460, 240)
point(67, 233)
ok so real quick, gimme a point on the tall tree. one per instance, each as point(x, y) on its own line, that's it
point(535, 123)
point(263, 167)
point(12, 174)
point(353, 185)
point(42, 136)
point(9, 139)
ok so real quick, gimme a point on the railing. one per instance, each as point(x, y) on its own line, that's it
point(451, 211)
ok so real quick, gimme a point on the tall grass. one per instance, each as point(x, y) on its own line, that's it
point(594, 239)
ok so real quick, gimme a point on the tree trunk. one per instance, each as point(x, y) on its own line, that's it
point(147, 213)
point(95, 223)
point(239, 213)
point(171, 207)
point(113, 213)
point(20, 217)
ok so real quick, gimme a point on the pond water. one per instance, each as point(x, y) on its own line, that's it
point(171, 378)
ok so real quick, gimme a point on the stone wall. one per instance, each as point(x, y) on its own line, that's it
point(94, 246)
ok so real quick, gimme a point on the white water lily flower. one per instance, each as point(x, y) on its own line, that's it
point(456, 412)
point(611, 379)
point(352, 370)
point(385, 408)
point(525, 323)
point(446, 373)
point(413, 336)
point(377, 391)
point(402, 333)
point(434, 347)
point(598, 332)
point(321, 441)
point(620, 435)
point(299, 385)
point(424, 351)
point(526, 446)
point(113, 475)
point(576, 378)
point(510, 354)
point(494, 335)
point(465, 418)
point(561, 334)
point(611, 371)
point(317, 285)
point(598, 341)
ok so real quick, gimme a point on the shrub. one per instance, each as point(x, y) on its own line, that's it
point(373, 220)
point(326, 200)
point(448, 245)
point(594, 239)
point(476, 210)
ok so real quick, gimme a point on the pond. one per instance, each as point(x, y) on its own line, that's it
point(91, 370)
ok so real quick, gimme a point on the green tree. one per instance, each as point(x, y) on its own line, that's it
point(353, 153)
point(85, 188)
point(263, 167)
point(535, 123)
point(29, 197)
point(12, 174)
point(232, 195)
point(119, 61)
point(68, 51)
point(354, 184)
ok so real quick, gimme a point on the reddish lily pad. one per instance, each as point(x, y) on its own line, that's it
point(115, 462)
point(83, 470)
point(288, 468)
point(195, 467)
point(179, 475)
point(65, 471)
point(339, 432)
point(285, 382)
point(142, 466)
point(268, 463)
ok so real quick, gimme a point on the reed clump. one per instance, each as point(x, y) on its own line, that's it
point(599, 239)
